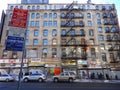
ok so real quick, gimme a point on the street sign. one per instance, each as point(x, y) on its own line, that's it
point(14, 43)
point(18, 32)
point(19, 18)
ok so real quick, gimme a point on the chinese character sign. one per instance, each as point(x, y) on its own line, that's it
point(19, 18)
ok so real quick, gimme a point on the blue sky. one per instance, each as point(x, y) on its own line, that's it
point(3, 3)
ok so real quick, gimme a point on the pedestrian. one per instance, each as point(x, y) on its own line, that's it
point(116, 77)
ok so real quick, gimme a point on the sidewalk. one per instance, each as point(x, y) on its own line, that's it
point(90, 80)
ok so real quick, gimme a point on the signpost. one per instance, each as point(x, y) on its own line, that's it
point(17, 35)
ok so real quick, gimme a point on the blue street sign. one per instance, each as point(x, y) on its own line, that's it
point(14, 43)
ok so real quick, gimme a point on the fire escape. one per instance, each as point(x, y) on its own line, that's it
point(73, 44)
point(113, 38)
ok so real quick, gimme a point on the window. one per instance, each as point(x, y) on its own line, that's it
point(81, 23)
point(37, 15)
point(62, 15)
point(27, 33)
point(89, 23)
point(97, 8)
point(45, 7)
point(35, 42)
point(104, 57)
point(108, 37)
point(45, 32)
point(102, 46)
point(50, 15)
point(11, 7)
point(28, 8)
point(4, 54)
point(37, 23)
point(73, 23)
point(55, 23)
point(38, 7)
point(63, 31)
point(16, 6)
point(54, 52)
point(26, 42)
point(98, 21)
point(55, 7)
point(45, 23)
point(91, 33)
point(105, 21)
point(33, 7)
point(54, 32)
point(36, 32)
point(10, 15)
point(100, 29)
point(21, 7)
point(111, 15)
point(62, 22)
point(45, 15)
point(104, 15)
point(72, 15)
point(98, 15)
point(44, 52)
point(103, 7)
point(107, 29)
point(101, 37)
point(45, 42)
point(113, 29)
point(14, 54)
point(72, 32)
point(50, 23)
point(82, 32)
point(54, 41)
point(33, 15)
point(55, 15)
point(81, 15)
point(88, 15)
point(93, 54)
point(32, 24)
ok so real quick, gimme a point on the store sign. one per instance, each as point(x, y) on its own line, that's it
point(35, 60)
point(36, 63)
point(19, 18)
point(82, 62)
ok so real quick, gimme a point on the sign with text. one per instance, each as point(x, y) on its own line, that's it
point(16, 32)
point(19, 18)
point(14, 43)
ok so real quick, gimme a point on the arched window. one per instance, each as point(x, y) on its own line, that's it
point(28, 8)
point(38, 7)
point(33, 7)
point(54, 41)
point(82, 32)
point(44, 52)
point(37, 15)
point(104, 15)
point(45, 15)
point(111, 15)
point(96, 7)
point(98, 15)
point(54, 32)
point(50, 15)
point(11, 7)
point(93, 54)
point(55, 15)
point(88, 15)
point(33, 15)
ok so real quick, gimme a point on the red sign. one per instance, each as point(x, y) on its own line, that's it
point(19, 18)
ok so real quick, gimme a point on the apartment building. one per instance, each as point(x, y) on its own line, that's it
point(77, 37)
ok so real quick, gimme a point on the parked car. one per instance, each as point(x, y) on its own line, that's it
point(64, 76)
point(40, 77)
point(6, 77)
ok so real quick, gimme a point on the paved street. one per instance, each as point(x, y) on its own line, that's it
point(60, 86)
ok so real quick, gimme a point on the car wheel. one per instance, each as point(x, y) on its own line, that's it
point(40, 80)
point(26, 80)
point(7, 80)
point(70, 80)
point(55, 79)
